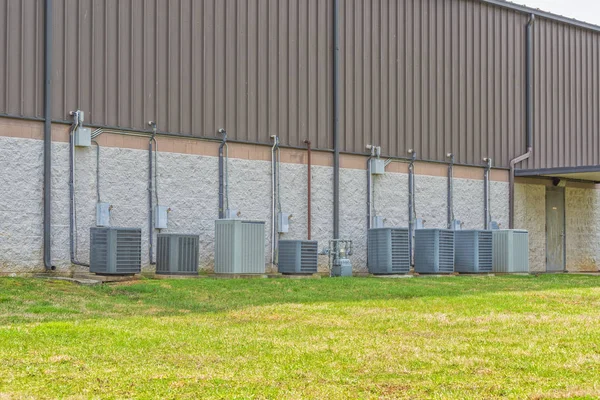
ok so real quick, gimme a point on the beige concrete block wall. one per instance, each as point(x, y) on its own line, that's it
point(530, 214)
point(582, 228)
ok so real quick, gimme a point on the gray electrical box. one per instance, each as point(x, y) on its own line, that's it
point(377, 222)
point(83, 137)
point(231, 213)
point(298, 257)
point(161, 217)
point(343, 267)
point(177, 254)
point(387, 251)
point(473, 251)
point(102, 214)
point(283, 222)
point(239, 246)
point(434, 251)
point(510, 251)
point(377, 166)
point(115, 251)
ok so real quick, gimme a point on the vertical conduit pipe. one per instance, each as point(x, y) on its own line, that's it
point(450, 203)
point(77, 122)
point(150, 202)
point(273, 197)
point(336, 123)
point(411, 201)
point(486, 193)
point(370, 187)
point(48, 136)
point(528, 121)
point(222, 175)
point(309, 189)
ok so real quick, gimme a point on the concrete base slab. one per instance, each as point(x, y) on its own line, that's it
point(305, 276)
point(393, 276)
point(83, 281)
point(161, 276)
point(106, 278)
point(238, 276)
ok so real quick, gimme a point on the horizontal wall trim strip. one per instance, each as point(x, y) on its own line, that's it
point(558, 170)
point(543, 14)
point(28, 129)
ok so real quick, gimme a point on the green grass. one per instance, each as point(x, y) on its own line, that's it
point(460, 337)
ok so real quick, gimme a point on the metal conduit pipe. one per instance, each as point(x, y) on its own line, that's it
point(450, 204)
point(486, 193)
point(308, 189)
point(336, 122)
point(528, 121)
point(97, 171)
point(273, 197)
point(222, 175)
point(370, 186)
point(77, 122)
point(48, 136)
point(150, 202)
point(411, 201)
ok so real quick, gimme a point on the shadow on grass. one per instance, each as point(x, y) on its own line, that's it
point(27, 300)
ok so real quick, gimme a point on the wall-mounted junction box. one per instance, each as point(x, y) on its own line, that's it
point(231, 213)
point(377, 166)
point(161, 217)
point(83, 137)
point(377, 222)
point(283, 222)
point(102, 214)
point(419, 223)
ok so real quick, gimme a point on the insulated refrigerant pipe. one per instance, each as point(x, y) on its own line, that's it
point(411, 201)
point(309, 188)
point(370, 186)
point(150, 189)
point(450, 204)
point(48, 136)
point(528, 123)
point(486, 193)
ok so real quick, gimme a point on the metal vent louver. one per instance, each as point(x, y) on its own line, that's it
point(434, 251)
point(473, 251)
point(177, 254)
point(298, 256)
point(387, 251)
point(510, 251)
point(239, 247)
point(115, 251)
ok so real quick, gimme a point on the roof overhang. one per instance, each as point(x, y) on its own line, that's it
point(590, 173)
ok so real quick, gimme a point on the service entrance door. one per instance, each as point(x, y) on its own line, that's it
point(555, 229)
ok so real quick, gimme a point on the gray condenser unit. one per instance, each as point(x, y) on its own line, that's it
point(177, 254)
point(511, 251)
point(434, 251)
point(298, 257)
point(473, 251)
point(239, 247)
point(115, 251)
point(387, 251)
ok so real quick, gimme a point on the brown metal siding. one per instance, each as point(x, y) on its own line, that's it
point(257, 68)
point(434, 75)
point(566, 91)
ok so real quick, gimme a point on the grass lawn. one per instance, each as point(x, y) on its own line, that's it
point(459, 337)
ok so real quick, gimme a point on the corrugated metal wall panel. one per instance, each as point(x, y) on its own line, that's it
point(433, 75)
point(566, 90)
point(256, 68)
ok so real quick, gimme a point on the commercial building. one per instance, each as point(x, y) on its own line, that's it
point(475, 78)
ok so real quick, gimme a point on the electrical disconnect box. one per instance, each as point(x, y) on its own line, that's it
point(377, 166)
point(83, 137)
point(161, 217)
point(377, 222)
point(231, 213)
point(283, 222)
point(102, 214)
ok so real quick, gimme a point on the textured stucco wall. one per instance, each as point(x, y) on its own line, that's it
point(530, 214)
point(582, 229)
point(188, 184)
